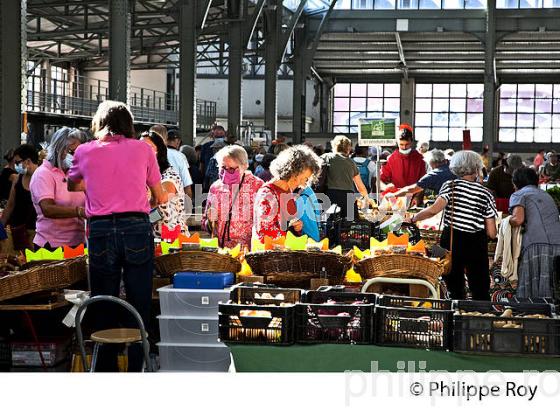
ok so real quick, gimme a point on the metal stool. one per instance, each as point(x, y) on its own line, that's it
point(112, 336)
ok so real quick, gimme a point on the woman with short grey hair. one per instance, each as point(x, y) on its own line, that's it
point(275, 205)
point(469, 218)
point(62, 146)
point(466, 163)
point(60, 213)
point(229, 207)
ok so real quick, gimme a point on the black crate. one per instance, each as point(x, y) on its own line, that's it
point(278, 329)
point(245, 295)
point(323, 323)
point(349, 233)
point(412, 302)
point(5, 355)
point(414, 322)
point(493, 334)
point(338, 296)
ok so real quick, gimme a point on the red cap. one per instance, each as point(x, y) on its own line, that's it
point(405, 126)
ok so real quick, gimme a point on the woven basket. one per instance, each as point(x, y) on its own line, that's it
point(196, 261)
point(295, 269)
point(407, 265)
point(47, 276)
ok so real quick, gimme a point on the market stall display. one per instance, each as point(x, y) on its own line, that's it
point(44, 276)
point(335, 317)
point(506, 328)
point(414, 322)
point(196, 261)
point(260, 317)
point(296, 268)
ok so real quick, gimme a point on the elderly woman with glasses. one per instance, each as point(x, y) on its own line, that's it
point(469, 218)
point(229, 207)
point(60, 213)
point(275, 205)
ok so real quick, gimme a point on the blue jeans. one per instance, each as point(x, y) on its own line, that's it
point(121, 246)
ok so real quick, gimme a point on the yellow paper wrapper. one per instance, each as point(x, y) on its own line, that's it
point(296, 243)
point(352, 276)
point(209, 243)
point(375, 244)
point(245, 269)
point(44, 254)
point(165, 246)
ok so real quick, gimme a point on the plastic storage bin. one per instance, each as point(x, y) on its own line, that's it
point(203, 280)
point(254, 324)
point(489, 333)
point(185, 329)
point(191, 302)
point(414, 322)
point(334, 323)
point(194, 357)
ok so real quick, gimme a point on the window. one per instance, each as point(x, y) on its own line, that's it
point(353, 101)
point(443, 111)
point(529, 113)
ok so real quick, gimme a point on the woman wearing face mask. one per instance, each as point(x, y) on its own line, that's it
point(172, 211)
point(20, 213)
point(229, 207)
point(275, 205)
point(470, 209)
point(60, 213)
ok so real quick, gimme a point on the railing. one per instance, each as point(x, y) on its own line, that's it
point(80, 96)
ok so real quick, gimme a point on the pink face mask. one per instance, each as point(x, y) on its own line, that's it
point(230, 177)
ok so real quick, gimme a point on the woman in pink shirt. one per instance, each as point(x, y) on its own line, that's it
point(114, 171)
point(60, 213)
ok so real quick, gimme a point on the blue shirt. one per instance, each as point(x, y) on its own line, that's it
point(434, 179)
point(178, 161)
point(309, 212)
point(542, 223)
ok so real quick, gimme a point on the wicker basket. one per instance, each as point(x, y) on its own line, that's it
point(295, 269)
point(404, 265)
point(47, 276)
point(196, 261)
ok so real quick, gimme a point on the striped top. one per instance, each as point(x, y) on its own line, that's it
point(473, 204)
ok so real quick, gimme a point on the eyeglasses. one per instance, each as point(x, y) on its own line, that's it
point(230, 169)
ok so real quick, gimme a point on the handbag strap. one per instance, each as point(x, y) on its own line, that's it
point(452, 214)
point(451, 221)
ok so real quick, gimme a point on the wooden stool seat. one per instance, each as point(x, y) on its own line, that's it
point(117, 336)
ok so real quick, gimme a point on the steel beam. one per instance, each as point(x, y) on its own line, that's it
point(188, 21)
point(489, 128)
point(290, 30)
point(273, 27)
point(251, 24)
point(12, 71)
point(408, 90)
point(119, 50)
point(299, 87)
point(237, 46)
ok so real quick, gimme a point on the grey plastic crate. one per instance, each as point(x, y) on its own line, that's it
point(194, 357)
point(191, 302)
point(187, 329)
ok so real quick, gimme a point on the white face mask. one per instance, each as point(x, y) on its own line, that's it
point(405, 151)
point(68, 161)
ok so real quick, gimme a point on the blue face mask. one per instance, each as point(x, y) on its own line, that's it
point(20, 169)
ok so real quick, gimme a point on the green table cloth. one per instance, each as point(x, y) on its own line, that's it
point(339, 358)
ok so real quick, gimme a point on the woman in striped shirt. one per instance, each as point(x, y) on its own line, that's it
point(471, 209)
